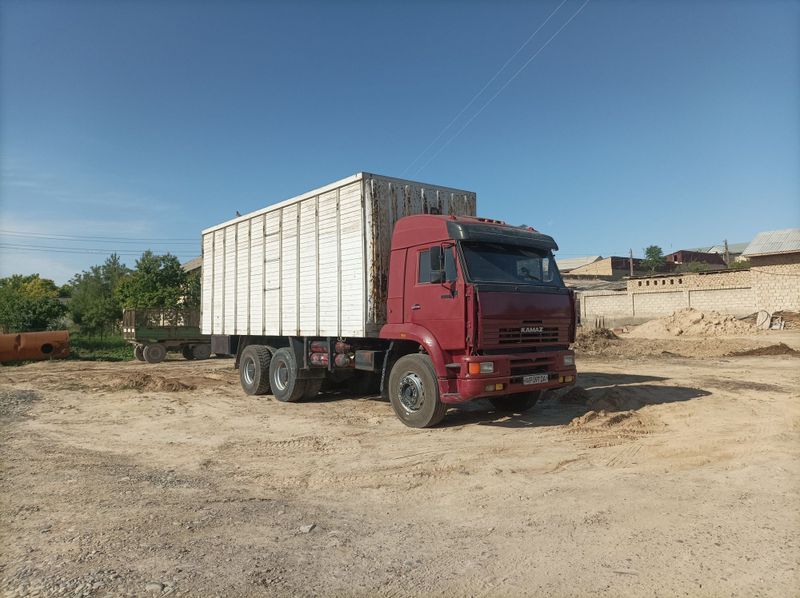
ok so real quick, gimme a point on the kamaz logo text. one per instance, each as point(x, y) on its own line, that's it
point(532, 329)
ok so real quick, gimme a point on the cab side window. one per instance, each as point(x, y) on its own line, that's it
point(424, 266)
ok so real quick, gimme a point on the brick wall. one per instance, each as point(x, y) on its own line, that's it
point(729, 291)
point(776, 281)
point(771, 284)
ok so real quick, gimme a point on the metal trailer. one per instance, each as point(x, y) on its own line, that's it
point(154, 331)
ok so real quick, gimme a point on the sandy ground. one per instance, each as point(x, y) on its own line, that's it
point(136, 479)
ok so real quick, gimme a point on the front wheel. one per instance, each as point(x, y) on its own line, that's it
point(516, 403)
point(414, 393)
point(286, 387)
point(138, 352)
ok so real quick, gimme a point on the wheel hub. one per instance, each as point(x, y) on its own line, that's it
point(281, 375)
point(411, 393)
point(249, 371)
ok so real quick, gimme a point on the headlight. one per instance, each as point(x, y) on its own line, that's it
point(569, 360)
point(483, 367)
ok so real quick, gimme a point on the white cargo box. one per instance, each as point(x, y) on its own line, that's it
point(316, 264)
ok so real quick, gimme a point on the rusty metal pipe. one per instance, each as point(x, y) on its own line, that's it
point(25, 346)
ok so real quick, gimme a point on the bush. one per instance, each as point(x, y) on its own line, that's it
point(95, 348)
point(29, 304)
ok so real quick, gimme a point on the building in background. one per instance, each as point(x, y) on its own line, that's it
point(567, 265)
point(687, 256)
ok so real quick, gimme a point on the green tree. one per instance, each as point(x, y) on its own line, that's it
point(693, 267)
point(654, 260)
point(95, 305)
point(29, 304)
point(158, 281)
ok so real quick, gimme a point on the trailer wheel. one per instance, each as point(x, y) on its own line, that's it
point(154, 353)
point(202, 351)
point(138, 352)
point(186, 351)
point(283, 377)
point(516, 403)
point(414, 393)
point(254, 369)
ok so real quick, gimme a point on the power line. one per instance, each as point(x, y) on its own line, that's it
point(90, 250)
point(488, 83)
point(177, 240)
point(506, 84)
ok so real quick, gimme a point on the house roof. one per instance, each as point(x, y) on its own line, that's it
point(567, 264)
point(193, 264)
point(774, 241)
point(732, 248)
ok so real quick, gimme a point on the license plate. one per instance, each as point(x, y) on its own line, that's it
point(535, 379)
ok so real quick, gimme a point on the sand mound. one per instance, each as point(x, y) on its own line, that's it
point(603, 419)
point(692, 322)
point(610, 399)
point(577, 395)
point(779, 349)
point(613, 399)
point(594, 340)
point(141, 381)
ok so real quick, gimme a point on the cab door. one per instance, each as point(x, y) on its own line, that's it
point(437, 306)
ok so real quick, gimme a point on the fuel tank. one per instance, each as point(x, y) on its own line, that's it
point(24, 346)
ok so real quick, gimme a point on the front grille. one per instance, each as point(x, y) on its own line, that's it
point(525, 332)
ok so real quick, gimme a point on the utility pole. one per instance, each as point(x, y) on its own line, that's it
point(727, 255)
point(630, 259)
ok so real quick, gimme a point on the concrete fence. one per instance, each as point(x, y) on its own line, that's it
point(767, 286)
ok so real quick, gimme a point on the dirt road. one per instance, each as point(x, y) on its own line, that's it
point(669, 476)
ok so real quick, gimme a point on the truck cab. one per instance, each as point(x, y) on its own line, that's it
point(488, 309)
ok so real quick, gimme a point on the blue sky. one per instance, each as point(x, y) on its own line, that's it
point(137, 124)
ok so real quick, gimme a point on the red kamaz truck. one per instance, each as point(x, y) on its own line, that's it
point(392, 286)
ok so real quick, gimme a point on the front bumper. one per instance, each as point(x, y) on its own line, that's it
point(510, 372)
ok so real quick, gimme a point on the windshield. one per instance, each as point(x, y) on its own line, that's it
point(495, 262)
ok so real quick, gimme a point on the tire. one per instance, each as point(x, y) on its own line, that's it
point(154, 353)
point(516, 403)
point(254, 370)
point(202, 351)
point(286, 387)
point(138, 352)
point(186, 351)
point(414, 392)
point(313, 386)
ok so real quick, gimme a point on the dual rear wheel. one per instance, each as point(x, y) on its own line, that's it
point(262, 372)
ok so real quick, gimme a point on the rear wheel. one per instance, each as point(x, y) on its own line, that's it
point(254, 369)
point(154, 353)
point(283, 377)
point(186, 351)
point(202, 351)
point(414, 393)
point(138, 352)
point(516, 403)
